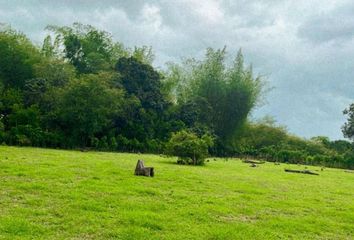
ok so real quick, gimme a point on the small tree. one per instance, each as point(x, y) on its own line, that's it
point(189, 148)
point(348, 127)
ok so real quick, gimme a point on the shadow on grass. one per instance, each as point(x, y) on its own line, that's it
point(165, 161)
point(169, 162)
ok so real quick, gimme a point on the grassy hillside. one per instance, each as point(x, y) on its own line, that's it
point(54, 194)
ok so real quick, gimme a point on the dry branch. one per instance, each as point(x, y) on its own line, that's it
point(301, 171)
point(253, 161)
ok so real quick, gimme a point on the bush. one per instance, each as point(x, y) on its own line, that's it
point(291, 156)
point(23, 140)
point(189, 148)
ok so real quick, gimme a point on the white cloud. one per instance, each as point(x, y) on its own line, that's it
point(208, 11)
point(151, 18)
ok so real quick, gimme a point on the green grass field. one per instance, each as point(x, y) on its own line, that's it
point(55, 194)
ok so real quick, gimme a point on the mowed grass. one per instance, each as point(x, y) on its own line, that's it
point(56, 194)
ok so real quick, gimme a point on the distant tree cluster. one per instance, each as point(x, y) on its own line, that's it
point(81, 89)
point(265, 140)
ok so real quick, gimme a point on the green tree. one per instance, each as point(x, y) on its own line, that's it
point(18, 55)
point(141, 80)
point(260, 136)
point(147, 114)
point(87, 106)
point(143, 54)
point(34, 90)
point(88, 49)
point(341, 146)
point(56, 72)
point(348, 127)
point(189, 148)
point(229, 93)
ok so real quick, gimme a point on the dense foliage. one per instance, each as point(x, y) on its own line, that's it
point(266, 140)
point(215, 97)
point(189, 148)
point(81, 89)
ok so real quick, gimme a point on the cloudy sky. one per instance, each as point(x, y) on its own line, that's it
point(304, 48)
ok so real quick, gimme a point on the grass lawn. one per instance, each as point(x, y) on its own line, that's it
point(56, 194)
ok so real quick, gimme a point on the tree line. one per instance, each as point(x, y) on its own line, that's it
point(82, 89)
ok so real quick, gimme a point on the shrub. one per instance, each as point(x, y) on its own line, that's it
point(291, 156)
point(23, 140)
point(189, 148)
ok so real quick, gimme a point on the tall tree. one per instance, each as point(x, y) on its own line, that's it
point(141, 80)
point(229, 92)
point(90, 50)
point(18, 55)
point(87, 106)
point(348, 127)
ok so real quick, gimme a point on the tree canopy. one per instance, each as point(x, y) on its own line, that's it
point(222, 97)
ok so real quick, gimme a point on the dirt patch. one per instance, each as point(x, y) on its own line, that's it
point(239, 218)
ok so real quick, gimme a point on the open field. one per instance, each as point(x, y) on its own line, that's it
point(55, 194)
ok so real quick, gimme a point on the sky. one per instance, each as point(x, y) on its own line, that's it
point(304, 48)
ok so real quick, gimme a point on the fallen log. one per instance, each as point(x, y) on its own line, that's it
point(301, 171)
point(141, 170)
point(253, 161)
